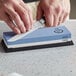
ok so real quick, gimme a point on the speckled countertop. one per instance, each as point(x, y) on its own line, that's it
point(60, 61)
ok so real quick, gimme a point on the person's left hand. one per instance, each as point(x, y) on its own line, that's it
point(17, 15)
point(54, 11)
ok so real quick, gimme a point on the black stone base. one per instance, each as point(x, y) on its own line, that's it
point(35, 47)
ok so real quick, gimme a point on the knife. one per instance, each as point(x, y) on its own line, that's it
point(37, 25)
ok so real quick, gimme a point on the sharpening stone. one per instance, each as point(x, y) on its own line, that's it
point(45, 37)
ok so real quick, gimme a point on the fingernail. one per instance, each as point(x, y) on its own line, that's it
point(28, 29)
point(23, 29)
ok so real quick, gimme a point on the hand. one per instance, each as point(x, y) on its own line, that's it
point(54, 11)
point(16, 14)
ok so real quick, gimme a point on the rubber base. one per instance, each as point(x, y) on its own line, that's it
point(35, 47)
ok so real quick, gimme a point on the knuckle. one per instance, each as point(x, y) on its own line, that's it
point(67, 14)
point(15, 16)
point(28, 10)
point(63, 11)
point(58, 9)
point(10, 0)
point(20, 24)
point(23, 12)
point(5, 6)
point(50, 9)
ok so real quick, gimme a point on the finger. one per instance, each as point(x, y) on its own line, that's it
point(49, 17)
point(29, 12)
point(39, 13)
point(61, 18)
point(31, 19)
point(24, 16)
point(10, 24)
point(14, 16)
point(49, 20)
point(55, 23)
point(13, 27)
point(57, 15)
point(65, 17)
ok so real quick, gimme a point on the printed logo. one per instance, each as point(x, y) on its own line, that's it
point(58, 30)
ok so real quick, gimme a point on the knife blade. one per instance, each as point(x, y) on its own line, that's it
point(37, 25)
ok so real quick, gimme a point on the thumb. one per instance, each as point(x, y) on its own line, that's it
point(39, 13)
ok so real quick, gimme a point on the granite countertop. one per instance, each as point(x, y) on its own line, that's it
point(60, 61)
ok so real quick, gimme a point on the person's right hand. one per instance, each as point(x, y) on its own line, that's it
point(54, 11)
point(16, 14)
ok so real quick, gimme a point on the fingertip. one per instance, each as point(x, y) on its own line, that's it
point(23, 29)
point(39, 13)
point(49, 20)
point(55, 23)
point(38, 17)
point(16, 30)
point(66, 17)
